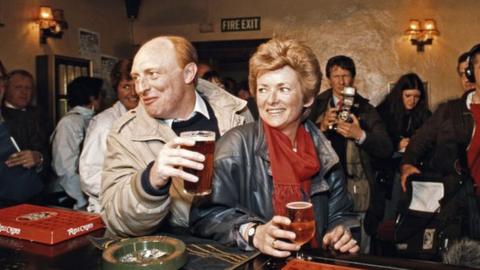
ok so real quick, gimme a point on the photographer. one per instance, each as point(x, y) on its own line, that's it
point(358, 139)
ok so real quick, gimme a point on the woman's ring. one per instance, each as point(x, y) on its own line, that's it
point(273, 243)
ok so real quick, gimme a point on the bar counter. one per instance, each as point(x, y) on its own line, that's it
point(84, 253)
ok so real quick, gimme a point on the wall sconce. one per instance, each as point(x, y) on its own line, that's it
point(51, 22)
point(421, 36)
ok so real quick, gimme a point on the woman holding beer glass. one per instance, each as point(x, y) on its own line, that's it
point(261, 167)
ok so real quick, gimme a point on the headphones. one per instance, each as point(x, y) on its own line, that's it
point(469, 71)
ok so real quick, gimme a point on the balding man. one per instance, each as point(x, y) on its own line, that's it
point(142, 181)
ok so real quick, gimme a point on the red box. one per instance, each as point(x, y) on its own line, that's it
point(46, 224)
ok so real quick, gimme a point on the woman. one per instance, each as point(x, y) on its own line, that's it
point(95, 145)
point(259, 167)
point(404, 110)
point(83, 97)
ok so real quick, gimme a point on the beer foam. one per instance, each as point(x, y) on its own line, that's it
point(202, 138)
point(299, 205)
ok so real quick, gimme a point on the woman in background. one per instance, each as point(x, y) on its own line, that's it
point(403, 111)
point(95, 145)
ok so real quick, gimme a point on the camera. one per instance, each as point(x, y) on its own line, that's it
point(345, 106)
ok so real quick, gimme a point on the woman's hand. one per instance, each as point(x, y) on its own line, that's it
point(272, 240)
point(402, 145)
point(340, 239)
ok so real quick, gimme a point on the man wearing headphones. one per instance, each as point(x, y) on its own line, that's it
point(462, 65)
point(450, 125)
point(447, 144)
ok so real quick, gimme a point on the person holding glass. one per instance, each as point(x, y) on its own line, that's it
point(261, 167)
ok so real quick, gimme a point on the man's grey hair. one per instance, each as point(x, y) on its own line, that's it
point(465, 252)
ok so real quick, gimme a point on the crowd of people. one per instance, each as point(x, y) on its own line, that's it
point(278, 140)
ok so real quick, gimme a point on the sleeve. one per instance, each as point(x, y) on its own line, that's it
point(424, 139)
point(340, 204)
point(39, 139)
point(65, 153)
point(377, 142)
point(127, 209)
point(92, 157)
point(220, 216)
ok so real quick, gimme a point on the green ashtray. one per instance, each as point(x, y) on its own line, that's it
point(148, 252)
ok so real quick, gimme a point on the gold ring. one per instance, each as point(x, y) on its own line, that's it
point(273, 243)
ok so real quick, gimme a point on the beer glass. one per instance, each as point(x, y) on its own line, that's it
point(204, 144)
point(303, 222)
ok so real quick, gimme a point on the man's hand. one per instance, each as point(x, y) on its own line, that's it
point(329, 118)
point(27, 158)
point(407, 170)
point(350, 130)
point(271, 239)
point(340, 239)
point(171, 159)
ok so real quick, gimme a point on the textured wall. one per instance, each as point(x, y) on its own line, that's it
point(19, 38)
point(369, 31)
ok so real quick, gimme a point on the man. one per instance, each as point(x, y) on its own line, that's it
point(22, 141)
point(447, 144)
point(462, 64)
point(142, 177)
point(357, 141)
point(366, 128)
point(24, 123)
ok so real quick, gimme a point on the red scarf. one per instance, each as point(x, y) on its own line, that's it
point(291, 171)
point(473, 152)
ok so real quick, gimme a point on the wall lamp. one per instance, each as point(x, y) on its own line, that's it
point(51, 22)
point(421, 36)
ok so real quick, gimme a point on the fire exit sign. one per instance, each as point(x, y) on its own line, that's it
point(241, 24)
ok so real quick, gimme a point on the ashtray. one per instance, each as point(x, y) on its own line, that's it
point(148, 252)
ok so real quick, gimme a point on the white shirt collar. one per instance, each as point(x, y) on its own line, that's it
point(200, 107)
point(469, 99)
point(11, 106)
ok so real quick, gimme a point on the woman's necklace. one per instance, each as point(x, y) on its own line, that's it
point(294, 147)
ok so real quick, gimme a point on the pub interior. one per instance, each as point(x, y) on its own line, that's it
point(73, 138)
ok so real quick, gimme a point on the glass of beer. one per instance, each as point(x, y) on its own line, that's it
point(204, 144)
point(303, 223)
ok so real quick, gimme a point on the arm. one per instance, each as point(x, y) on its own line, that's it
point(340, 204)
point(220, 216)
point(65, 153)
point(127, 209)
point(377, 142)
point(92, 159)
point(421, 144)
point(340, 219)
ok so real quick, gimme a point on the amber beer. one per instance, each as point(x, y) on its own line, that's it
point(205, 144)
point(303, 223)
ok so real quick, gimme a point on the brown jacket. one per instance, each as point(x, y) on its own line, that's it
point(134, 142)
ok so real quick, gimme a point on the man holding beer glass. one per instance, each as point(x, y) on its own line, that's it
point(146, 162)
point(262, 167)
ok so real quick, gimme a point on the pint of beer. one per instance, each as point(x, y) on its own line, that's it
point(303, 223)
point(204, 144)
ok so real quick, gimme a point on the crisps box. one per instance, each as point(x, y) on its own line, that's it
point(46, 225)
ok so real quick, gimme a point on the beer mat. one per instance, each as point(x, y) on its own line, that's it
point(46, 225)
point(297, 264)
